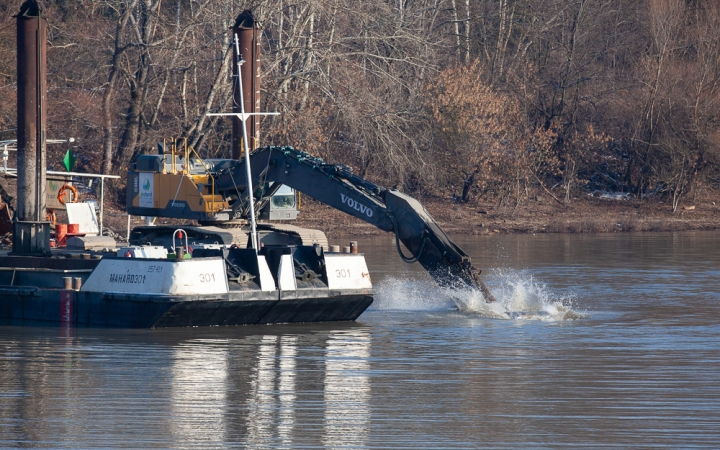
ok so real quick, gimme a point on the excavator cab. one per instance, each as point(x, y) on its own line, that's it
point(283, 205)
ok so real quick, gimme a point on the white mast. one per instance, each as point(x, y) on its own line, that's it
point(243, 116)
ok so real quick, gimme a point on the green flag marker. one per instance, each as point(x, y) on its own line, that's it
point(69, 161)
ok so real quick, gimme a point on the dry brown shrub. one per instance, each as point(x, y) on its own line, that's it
point(477, 128)
point(307, 129)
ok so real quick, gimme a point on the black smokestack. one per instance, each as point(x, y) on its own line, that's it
point(248, 31)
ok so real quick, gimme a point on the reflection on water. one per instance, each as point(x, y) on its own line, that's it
point(204, 389)
point(286, 422)
point(347, 390)
point(641, 370)
point(98, 389)
point(261, 403)
point(198, 392)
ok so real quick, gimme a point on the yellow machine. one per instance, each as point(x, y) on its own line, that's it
point(176, 184)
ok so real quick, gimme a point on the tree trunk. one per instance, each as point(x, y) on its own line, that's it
point(110, 89)
point(456, 27)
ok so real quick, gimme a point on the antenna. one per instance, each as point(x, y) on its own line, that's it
point(243, 116)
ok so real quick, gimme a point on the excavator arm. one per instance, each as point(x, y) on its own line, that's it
point(387, 209)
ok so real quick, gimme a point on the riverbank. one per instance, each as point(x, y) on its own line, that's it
point(539, 215)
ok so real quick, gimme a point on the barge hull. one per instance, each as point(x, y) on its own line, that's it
point(141, 311)
point(297, 285)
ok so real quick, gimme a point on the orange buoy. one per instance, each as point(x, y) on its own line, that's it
point(61, 193)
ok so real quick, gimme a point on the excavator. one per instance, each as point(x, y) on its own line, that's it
point(214, 192)
point(224, 194)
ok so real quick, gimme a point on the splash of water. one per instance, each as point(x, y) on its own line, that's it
point(519, 296)
point(411, 294)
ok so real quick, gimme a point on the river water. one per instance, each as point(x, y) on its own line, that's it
point(599, 341)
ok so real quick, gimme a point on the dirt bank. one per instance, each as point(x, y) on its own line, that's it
point(539, 215)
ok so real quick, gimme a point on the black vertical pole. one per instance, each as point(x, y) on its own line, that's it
point(31, 233)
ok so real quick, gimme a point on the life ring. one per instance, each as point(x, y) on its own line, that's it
point(61, 193)
point(51, 217)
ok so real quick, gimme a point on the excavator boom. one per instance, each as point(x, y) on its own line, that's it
point(387, 209)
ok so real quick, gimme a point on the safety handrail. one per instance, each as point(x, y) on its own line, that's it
point(183, 233)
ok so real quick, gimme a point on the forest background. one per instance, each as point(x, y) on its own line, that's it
point(488, 108)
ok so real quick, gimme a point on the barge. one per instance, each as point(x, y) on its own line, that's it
point(216, 286)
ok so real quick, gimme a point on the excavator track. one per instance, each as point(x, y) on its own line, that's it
point(298, 235)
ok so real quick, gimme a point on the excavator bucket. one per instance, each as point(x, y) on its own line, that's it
point(430, 246)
